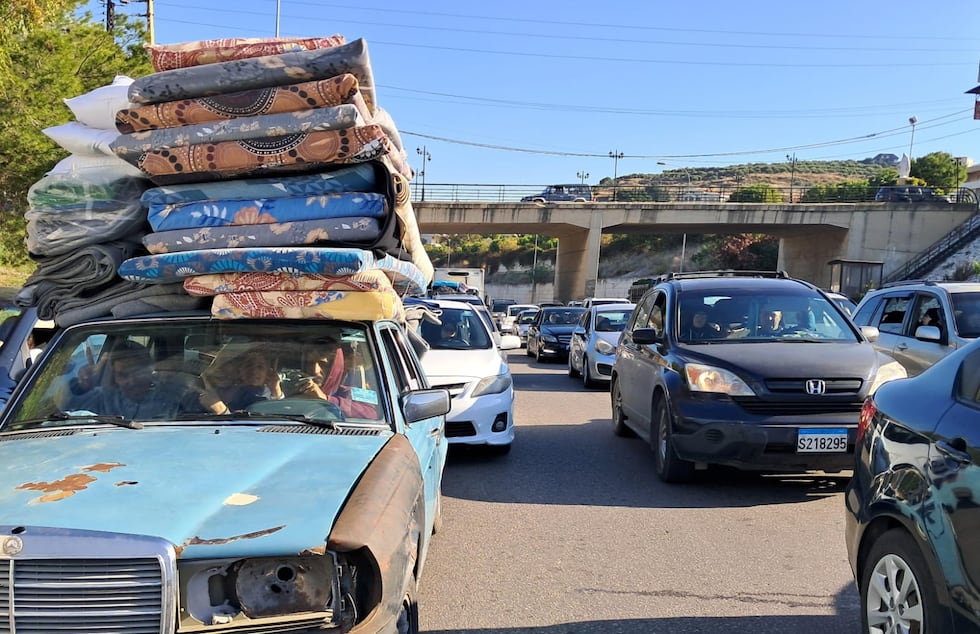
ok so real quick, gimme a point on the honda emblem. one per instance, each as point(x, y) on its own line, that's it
point(815, 386)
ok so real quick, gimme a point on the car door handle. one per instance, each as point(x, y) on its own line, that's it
point(902, 346)
point(955, 449)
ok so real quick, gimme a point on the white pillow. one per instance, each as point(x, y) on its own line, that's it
point(98, 108)
point(95, 170)
point(79, 138)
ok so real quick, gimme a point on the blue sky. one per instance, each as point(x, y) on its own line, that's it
point(531, 93)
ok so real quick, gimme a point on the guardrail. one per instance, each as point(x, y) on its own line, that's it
point(500, 193)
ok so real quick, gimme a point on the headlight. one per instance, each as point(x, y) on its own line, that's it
point(493, 385)
point(888, 372)
point(604, 347)
point(549, 338)
point(705, 378)
point(218, 592)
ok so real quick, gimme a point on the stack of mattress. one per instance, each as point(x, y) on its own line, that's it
point(281, 187)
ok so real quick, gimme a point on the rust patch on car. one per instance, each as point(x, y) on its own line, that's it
point(319, 550)
point(69, 485)
point(197, 541)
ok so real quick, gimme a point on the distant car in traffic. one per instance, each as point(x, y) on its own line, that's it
point(911, 506)
point(550, 334)
point(524, 319)
point(593, 347)
point(508, 325)
point(561, 193)
point(908, 193)
point(920, 322)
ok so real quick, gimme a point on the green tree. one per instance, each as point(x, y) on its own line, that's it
point(939, 169)
point(744, 252)
point(756, 194)
point(847, 192)
point(59, 56)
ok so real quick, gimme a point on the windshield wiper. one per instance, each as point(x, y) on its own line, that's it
point(119, 421)
point(247, 415)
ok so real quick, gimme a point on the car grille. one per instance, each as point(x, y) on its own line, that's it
point(801, 407)
point(798, 386)
point(460, 429)
point(565, 339)
point(455, 389)
point(45, 588)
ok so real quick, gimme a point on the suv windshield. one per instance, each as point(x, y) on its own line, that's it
point(744, 316)
point(196, 370)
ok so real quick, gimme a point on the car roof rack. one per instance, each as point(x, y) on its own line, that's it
point(910, 283)
point(783, 275)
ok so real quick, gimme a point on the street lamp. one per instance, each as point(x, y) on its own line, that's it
point(425, 157)
point(583, 176)
point(792, 175)
point(615, 156)
point(912, 121)
point(684, 238)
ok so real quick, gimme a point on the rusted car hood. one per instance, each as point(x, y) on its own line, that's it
point(211, 490)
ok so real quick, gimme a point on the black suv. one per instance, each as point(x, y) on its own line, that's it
point(749, 369)
point(561, 193)
point(908, 194)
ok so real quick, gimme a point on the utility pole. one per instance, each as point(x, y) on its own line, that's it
point(792, 175)
point(425, 157)
point(110, 16)
point(583, 176)
point(615, 156)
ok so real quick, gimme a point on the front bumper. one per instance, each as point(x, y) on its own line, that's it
point(763, 443)
point(471, 421)
point(600, 366)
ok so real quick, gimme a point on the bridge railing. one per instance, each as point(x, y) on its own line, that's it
point(501, 193)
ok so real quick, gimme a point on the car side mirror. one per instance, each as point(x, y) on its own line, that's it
point(928, 333)
point(422, 404)
point(871, 333)
point(647, 336)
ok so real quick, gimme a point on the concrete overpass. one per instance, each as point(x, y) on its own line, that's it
point(810, 235)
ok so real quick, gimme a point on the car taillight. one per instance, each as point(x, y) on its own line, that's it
point(868, 411)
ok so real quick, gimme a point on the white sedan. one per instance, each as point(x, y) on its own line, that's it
point(593, 347)
point(464, 359)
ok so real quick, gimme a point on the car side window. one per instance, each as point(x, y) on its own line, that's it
point(642, 312)
point(402, 376)
point(656, 318)
point(893, 314)
point(928, 312)
point(968, 380)
point(583, 321)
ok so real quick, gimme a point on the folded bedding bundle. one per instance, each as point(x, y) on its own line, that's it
point(220, 213)
point(368, 305)
point(201, 52)
point(258, 72)
point(278, 234)
point(216, 283)
point(130, 147)
point(255, 157)
point(173, 267)
point(339, 91)
point(122, 299)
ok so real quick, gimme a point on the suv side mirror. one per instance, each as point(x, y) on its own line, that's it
point(647, 336)
point(870, 333)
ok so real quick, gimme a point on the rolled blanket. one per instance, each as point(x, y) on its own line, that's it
point(258, 72)
point(410, 238)
point(234, 159)
point(247, 282)
point(279, 234)
point(354, 305)
point(200, 52)
point(101, 304)
point(293, 97)
point(53, 234)
point(173, 267)
point(129, 147)
point(220, 213)
point(360, 177)
point(81, 273)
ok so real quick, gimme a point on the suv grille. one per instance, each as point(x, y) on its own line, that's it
point(813, 405)
point(798, 386)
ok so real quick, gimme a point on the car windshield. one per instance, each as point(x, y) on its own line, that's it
point(744, 317)
point(461, 329)
point(203, 370)
point(561, 317)
point(526, 317)
point(966, 312)
point(612, 320)
point(500, 305)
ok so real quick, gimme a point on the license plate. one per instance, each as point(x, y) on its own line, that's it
point(821, 441)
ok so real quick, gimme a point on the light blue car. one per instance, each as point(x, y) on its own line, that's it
point(220, 476)
point(592, 349)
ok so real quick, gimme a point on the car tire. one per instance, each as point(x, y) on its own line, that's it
point(408, 618)
point(537, 353)
point(587, 379)
point(527, 349)
point(572, 372)
point(895, 555)
point(618, 417)
point(669, 467)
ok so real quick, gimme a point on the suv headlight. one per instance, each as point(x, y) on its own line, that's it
point(604, 347)
point(706, 378)
point(493, 385)
point(549, 338)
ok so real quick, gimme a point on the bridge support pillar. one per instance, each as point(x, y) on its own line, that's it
point(577, 262)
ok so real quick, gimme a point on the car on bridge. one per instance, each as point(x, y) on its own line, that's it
point(908, 194)
point(562, 193)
